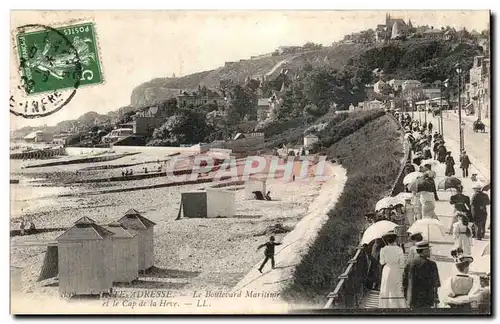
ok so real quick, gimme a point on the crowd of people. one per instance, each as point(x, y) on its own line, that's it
point(413, 282)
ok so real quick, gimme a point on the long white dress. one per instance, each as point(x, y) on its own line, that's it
point(391, 286)
point(461, 239)
point(428, 204)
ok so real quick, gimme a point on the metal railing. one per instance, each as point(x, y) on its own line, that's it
point(350, 289)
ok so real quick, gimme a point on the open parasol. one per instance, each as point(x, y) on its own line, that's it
point(432, 230)
point(481, 264)
point(411, 177)
point(418, 185)
point(376, 231)
point(449, 182)
point(487, 250)
point(387, 202)
point(404, 195)
point(429, 161)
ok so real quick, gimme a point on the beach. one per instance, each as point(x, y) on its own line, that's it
point(190, 253)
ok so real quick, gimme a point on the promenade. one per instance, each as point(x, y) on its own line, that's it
point(440, 251)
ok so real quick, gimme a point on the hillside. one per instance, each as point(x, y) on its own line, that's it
point(151, 92)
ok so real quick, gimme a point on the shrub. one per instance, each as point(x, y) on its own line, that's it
point(372, 168)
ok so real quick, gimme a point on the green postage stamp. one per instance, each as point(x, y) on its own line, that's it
point(60, 58)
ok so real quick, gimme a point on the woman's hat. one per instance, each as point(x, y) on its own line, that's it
point(477, 186)
point(464, 260)
point(389, 234)
point(413, 235)
point(422, 245)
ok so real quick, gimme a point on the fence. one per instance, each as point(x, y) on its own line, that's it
point(350, 289)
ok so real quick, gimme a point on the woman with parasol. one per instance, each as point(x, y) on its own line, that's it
point(462, 233)
point(393, 261)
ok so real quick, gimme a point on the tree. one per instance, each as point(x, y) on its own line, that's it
point(312, 46)
point(319, 87)
point(314, 110)
point(243, 101)
point(293, 103)
point(187, 126)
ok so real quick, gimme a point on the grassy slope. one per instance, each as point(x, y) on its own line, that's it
point(372, 156)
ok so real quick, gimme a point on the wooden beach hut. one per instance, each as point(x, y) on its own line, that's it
point(16, 284)
point(254, 184)
point(220, 203)
point(125, 260)
point(194, 204)
point(84, 259)
point(143, 227)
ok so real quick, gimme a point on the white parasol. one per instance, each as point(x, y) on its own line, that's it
point(404, 195)
point(432, 230)
point(481, 264)
point(411, 177)
point(429, 161)
point(376, 231)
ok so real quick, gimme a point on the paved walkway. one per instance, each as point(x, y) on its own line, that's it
point(468, 119)
point(441, 251)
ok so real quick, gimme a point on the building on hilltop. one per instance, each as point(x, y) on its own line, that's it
point(396, 84)
point(411, 84)
point(431, 93)
point(433, 33)
point(289, 49)
point(393, 28)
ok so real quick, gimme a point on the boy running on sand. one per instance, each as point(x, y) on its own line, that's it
point(269, 252)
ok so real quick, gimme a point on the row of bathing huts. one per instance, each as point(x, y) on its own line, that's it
point(89, 258)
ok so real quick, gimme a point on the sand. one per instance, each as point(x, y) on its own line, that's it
point(209, 254)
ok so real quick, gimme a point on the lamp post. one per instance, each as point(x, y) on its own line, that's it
point(462, 127)
point(459, 71)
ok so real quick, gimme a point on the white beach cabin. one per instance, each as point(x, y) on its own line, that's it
point(254, 184)
point(220, 203)
point(125, 262)
point(143, 227)
point(84, 259)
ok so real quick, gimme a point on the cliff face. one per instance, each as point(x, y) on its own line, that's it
point(156, 90)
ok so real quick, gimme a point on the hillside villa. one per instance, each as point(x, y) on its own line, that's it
point(478, 89)
point(38, 137)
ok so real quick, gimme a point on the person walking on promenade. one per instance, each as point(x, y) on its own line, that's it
point(421, 279)
point(372, 271)
point(415, 238)
point(435, 149)
point(427, 198)
point(429, 126)
point(464, 164)
point(378, 244)
point(462, 204)
point(441, 153)
point(427, 151)
point(462, 234)
point(432, 176)
point(269, 252)
point(458, 288)
point(392, 259)
point(450, 165)
point(479, 212)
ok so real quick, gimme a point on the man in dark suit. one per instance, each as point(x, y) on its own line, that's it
point(421, 279)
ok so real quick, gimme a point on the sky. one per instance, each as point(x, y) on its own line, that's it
point(137, 46)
